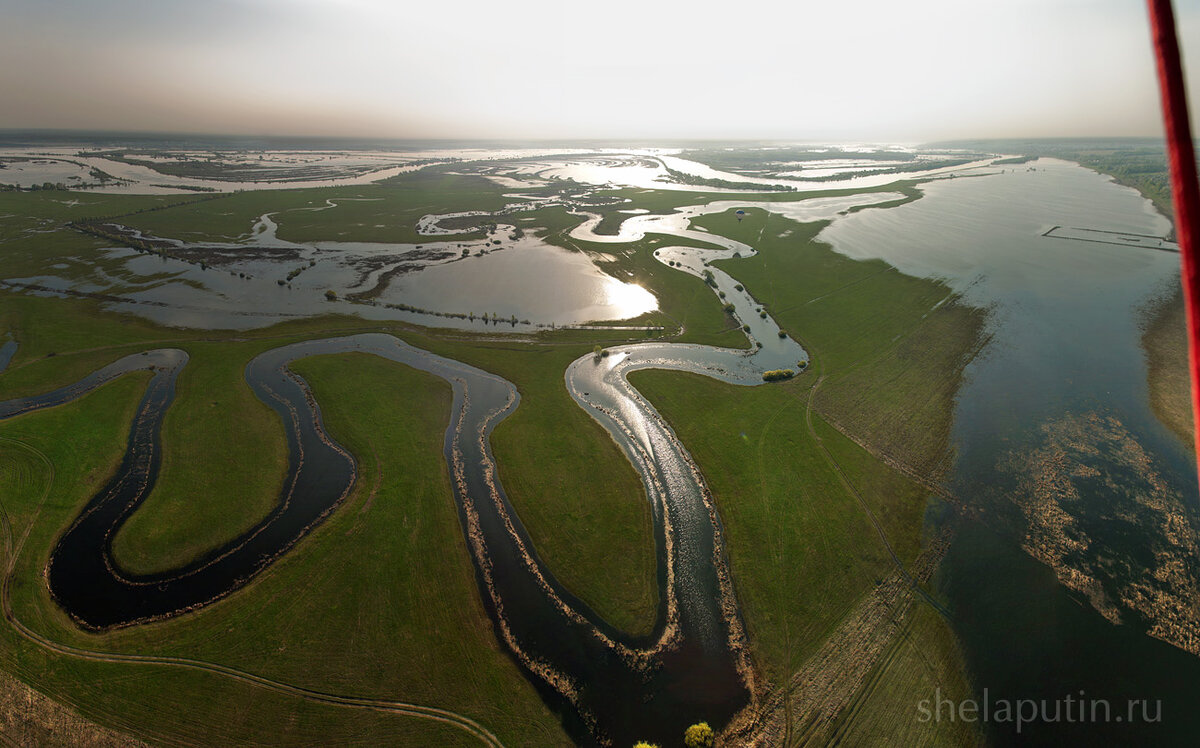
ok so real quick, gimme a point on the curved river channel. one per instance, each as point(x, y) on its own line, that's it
point(612, 687)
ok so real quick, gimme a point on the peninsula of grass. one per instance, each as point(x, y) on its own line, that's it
point(800, 548)
point(580, 499)
point(214, 420)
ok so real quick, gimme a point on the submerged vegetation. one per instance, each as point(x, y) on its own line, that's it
point(1164, 340)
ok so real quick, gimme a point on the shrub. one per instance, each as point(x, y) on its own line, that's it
point(331, 295)
point(699, 735)
point(782, 334)
point(775, 375)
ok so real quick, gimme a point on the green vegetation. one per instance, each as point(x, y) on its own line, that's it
point(699, 735)
point(766, 161)
point(380, 600)
point(384, 582)
point(578, 497)
point(878, 367)
point(1015, 160)
point(792, 489)
point(923, 658)
point(215, 420)
point(777, 375)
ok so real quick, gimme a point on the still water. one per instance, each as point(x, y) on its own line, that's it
point(1073, 571)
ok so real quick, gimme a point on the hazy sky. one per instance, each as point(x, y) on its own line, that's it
point(899, 70)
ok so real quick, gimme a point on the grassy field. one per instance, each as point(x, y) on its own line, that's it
point(381, 212)
point(892, 347)
point(380, 601)
point(922, 661)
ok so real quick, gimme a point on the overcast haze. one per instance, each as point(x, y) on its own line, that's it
point(854, 69)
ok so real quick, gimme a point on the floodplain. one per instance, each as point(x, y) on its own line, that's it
point(683, 528)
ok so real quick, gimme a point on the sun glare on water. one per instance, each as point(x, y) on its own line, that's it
point(627, 299)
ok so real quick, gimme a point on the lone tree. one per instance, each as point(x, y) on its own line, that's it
point(699, 735)
point(331, 295)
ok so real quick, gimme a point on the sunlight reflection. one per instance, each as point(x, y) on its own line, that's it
point(627, 299)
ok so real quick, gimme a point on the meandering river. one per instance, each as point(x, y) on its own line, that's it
point(616, 687)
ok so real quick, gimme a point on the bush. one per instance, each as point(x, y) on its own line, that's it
point(782, 334)
point(745, 328)
point(728, 308)
point(776, 375)
point(699, 735)
point(331, 295)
